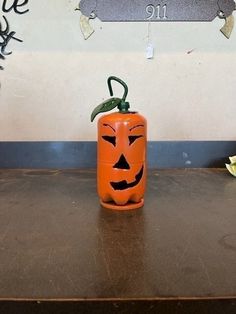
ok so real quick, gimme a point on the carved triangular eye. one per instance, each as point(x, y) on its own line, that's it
point(110, 139)
point(133, 138)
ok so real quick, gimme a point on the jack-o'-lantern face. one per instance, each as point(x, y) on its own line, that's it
point(122, 163)
point(121, 158)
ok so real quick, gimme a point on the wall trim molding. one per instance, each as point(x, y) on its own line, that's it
point(69, 155)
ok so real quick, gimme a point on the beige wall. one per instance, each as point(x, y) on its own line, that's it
point(53, 80)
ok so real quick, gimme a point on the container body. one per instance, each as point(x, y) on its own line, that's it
point(121, 160)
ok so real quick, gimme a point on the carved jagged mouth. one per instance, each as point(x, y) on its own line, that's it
point(123, 185)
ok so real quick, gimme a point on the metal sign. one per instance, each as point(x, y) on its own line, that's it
point(161, 11)
point(157, 10)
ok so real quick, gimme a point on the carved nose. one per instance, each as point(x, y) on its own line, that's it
point(122, 163)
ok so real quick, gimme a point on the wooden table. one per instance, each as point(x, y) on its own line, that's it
point(61, 252)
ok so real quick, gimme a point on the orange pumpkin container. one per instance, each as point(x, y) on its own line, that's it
point(121, 153)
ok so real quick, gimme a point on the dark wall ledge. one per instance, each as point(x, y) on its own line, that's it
point(69, 155)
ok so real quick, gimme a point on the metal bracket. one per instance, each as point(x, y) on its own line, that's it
point(228, 27)
point(85, 26)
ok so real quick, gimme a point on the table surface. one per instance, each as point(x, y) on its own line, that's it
point(57, 243)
